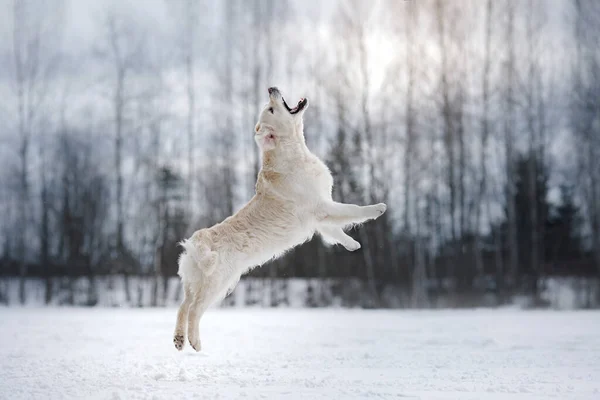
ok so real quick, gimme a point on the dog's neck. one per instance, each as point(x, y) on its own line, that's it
point(284, 156)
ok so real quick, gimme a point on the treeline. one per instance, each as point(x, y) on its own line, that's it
point(560, 293)
point(477, 122)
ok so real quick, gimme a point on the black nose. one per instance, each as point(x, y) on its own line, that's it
point(273, 89)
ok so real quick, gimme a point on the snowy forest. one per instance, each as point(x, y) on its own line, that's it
point(125, 126)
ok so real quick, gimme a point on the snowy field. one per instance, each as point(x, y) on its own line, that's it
point(51, 353)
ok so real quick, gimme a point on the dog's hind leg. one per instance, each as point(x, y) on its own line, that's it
point(340, 214)
point(182, 314)
point(201, 253)
point(335, 235)
point(199, 305)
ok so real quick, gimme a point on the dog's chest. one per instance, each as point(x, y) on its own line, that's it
point(274, 240)
point(312, 182)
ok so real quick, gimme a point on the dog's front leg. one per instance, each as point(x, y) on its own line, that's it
point(341, 214)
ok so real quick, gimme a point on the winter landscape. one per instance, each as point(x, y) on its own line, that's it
point(257, 353)
point(126, 125)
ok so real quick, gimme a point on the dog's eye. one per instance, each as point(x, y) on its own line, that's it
point(271, 109)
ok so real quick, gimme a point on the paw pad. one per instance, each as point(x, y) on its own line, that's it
point(178, 341)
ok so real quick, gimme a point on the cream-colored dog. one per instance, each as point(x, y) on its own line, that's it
point(292, 202)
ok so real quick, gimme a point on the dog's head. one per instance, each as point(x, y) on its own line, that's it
point(278, 123)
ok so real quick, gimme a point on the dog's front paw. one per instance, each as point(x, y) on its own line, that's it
point(377, 210)
point(381, 207)
point(352, 246)
point(178, 340)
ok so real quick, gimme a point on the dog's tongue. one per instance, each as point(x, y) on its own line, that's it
point(298, 105)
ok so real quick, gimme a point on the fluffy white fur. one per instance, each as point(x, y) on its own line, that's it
point(292, 202)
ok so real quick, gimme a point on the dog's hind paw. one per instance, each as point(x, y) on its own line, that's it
point(179, 340)
point(196, 344)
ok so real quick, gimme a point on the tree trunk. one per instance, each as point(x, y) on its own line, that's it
point(191, 98)
point(45, 239)
point(485, 132)
point(509, 126)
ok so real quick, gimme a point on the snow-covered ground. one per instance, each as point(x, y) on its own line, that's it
point(100, 353)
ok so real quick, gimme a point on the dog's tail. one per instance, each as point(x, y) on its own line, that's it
point(197, 255)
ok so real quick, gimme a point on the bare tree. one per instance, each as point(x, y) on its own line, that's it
point(354, 29)
point(122, 49)
point(534, 109)
point(189, 41)
point(34, 54)
point(416, 254)
point(453, 92)
point(481, 198)
point(509, 141)
point(46, 197)
point(585, 111)
point(158, 185)
point(530, 118)
point(409, 147)
point(78, 194)
point(191, 22)
point(227, 140)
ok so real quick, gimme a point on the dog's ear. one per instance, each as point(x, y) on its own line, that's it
point(269, 141)
point(268, 138)
point(264, 128)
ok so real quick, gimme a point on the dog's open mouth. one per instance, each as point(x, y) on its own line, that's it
point(301, 104)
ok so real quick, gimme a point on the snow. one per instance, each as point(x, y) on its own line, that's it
point(125, 353)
